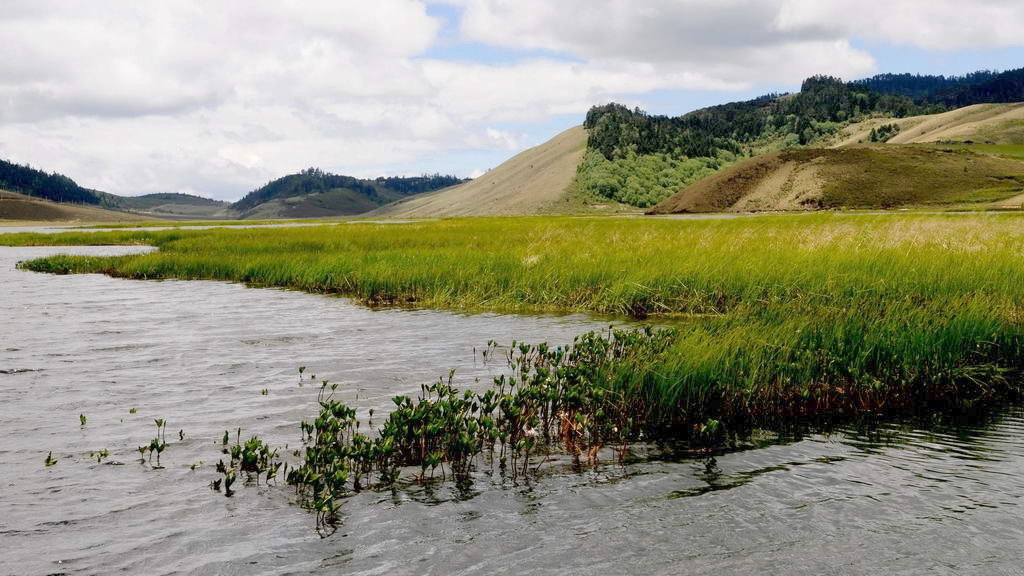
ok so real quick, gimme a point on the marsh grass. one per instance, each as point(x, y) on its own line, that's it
point(777, 315)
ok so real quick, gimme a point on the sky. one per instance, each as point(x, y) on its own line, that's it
point(218, 98)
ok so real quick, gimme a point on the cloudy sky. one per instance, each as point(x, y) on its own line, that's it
point(217, 98)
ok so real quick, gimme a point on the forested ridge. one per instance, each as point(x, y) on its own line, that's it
point(982, 87)
point(638, 158)
point(923, 88)
point(48, 185)
point(314, 180)
point(821, 105)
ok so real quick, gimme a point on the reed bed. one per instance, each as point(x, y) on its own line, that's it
point(776, 315)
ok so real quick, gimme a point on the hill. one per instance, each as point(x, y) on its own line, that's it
point(625, 159)
point(980, 123)
point(15, 206)
point(969, 157)
point(31, 182)
point(167, 205)
point(49, 186)
point(315, 193)
point(640, 159)
point(311, 193)
point(880, 176)
point(530, 182)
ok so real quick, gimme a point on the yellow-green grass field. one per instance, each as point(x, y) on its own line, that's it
point(778, 315)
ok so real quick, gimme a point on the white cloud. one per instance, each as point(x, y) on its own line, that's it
point(505, 139)
point(702, 32)
point(218, 98)
point(938, 25)
point(724, 41)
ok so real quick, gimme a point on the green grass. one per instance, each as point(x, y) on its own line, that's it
point(1012, 151)
point(778, 315)
point(890, 176)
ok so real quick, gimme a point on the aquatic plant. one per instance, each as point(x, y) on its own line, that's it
point(159, 443)
point(255, 458)
point(99, 455)
point(50, 460)
point(555, 398)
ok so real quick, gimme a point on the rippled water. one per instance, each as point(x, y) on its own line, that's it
point(895, 500)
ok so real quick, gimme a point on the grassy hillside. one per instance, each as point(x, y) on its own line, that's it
point(21, 207)
point(167, 205)
point(781, 314)
point(333, 202)
point(641, 159)
point(980, 123)
point(881, 176)
point(533, 181)
point(629, 160)
point(970, 157)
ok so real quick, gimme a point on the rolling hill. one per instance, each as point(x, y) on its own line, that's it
point(167, 205)
point(58, 188)
point(21, 207)
point(969, 157)
point(310, 193)
point(314, 193)
point(530, 182)
point(979, 123)
point(879, 176)
point(627, 158)
point(886, 141)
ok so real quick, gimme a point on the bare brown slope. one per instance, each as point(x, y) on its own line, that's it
point(883, 176)
point(15, 206)
point(720, 191)
point(525, 184)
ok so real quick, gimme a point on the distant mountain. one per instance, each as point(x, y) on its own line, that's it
point(310, 193)
point(59, 188)
point(315, 193)
point(167, 205)
point(15, 206)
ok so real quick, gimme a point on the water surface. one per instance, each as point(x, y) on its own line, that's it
point(902, 499)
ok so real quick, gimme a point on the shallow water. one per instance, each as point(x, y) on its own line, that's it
point(898, 500)
point(58, 228)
